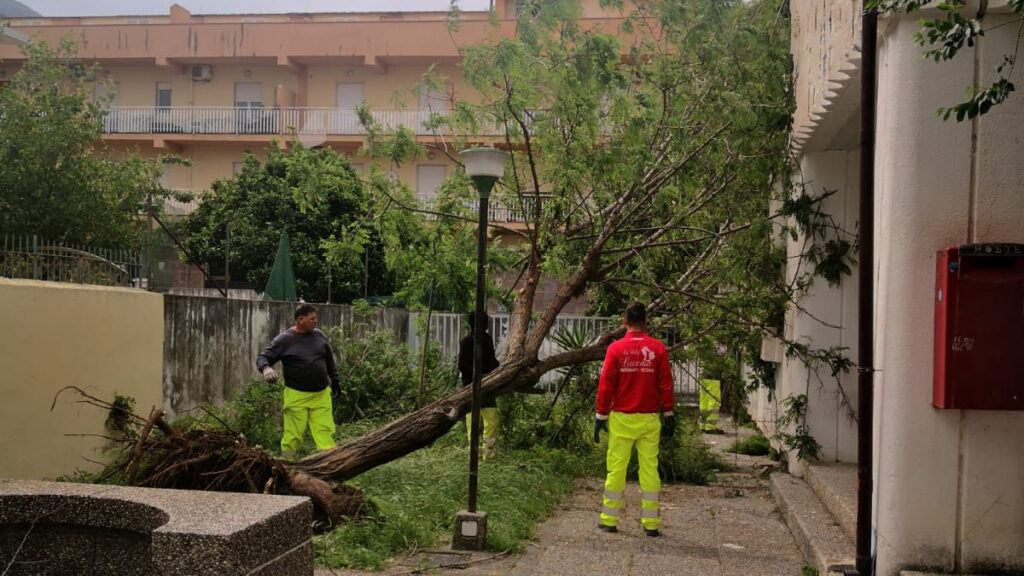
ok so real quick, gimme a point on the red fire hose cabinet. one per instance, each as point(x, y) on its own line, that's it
point(979, 327)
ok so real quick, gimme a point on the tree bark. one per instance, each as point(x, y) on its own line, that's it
point(420, 428)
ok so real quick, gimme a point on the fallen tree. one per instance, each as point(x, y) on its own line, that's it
point(643, 171)
point(643, 163)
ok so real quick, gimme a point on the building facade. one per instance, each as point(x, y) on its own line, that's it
point(948, 483)
point(211, 88)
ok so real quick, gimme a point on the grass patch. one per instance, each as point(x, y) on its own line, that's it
point(419, 494)
point(756, 445)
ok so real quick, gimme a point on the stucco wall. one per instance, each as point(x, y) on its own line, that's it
point(950, 483)
point(103, 340)
point(826, 317)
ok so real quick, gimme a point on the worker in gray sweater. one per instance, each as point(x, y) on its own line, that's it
point(310, 375)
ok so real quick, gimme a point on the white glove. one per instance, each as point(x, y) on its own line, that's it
point(269, 374)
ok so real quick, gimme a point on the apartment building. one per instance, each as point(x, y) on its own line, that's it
point(211, 88)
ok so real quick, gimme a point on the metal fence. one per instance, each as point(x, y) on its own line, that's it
point(448, 329)
point(35, 258)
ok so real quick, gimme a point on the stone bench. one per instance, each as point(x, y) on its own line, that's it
point(56, 528)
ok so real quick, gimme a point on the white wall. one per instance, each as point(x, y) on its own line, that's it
point(826, 316)
point(949, 483)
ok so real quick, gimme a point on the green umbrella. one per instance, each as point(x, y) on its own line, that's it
point(281, 284)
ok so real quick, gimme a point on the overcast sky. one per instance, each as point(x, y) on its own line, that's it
point(147, 7)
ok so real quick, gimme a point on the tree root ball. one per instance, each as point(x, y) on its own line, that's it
point(332, 503)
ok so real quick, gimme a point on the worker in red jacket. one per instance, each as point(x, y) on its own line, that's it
point(635, 386)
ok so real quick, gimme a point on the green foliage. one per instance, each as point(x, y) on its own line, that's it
point(947, 35)
point(53, 183)
point(981, 101)
point(119, 419)
point(808, 570)
point(756, 445)
point(379, 377)
point(794, 418)
point(319, 200)
point(418, 495)
point(830, 251)
point(256, 414)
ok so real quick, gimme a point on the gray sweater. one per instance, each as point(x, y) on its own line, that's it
point(307, 359)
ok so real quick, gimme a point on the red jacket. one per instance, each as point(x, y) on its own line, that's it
point(636, 377)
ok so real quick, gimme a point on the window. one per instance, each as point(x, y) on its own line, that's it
point(236, 168)
point(428, 180)
point(349, 97)
point(249, 95)
point(163, 94)
point(249, 116)
point(433, 100)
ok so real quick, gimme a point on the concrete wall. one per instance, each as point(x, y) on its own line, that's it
point(950, 483)
point(826, 317)
point(103, 340)
point(211, 344)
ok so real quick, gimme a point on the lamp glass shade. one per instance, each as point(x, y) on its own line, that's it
point(484, 161)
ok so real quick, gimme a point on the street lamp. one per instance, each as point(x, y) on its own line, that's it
point(484, 167)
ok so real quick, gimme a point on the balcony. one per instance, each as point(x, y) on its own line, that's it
point(255, 121)
point(497, 212)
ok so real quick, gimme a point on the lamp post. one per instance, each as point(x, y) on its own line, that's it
point(484, 167)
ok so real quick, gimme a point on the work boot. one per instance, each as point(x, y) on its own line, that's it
point(607, 528)
point(652, 532)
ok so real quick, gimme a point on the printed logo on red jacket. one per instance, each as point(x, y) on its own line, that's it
point(634, 360)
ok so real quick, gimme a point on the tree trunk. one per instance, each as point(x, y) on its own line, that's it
point(419, 429)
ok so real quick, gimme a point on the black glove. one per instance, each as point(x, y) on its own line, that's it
point(668, 427)
point(335, 388)
point(599, 425)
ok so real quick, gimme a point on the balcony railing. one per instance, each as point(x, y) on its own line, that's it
point(255, 121)
point(498, 212)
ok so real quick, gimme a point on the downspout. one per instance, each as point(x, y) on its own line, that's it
point(866, 300)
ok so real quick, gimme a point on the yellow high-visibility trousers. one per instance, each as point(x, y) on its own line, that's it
point(302, 408)
point(489, 434)
point(710, 402)
point(624, 432)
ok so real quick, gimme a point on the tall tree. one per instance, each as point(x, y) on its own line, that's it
point(53, 180)
point(647, 158)
point(319, 200)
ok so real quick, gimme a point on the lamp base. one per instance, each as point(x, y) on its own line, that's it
point(470, 531)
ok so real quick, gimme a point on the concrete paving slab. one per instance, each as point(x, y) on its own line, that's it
point(665, 564)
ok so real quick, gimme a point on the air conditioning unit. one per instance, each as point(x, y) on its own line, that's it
point(202, 72)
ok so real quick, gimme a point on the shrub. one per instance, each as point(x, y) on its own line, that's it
point(256, 414)
point(380, 377)
point(756, 445)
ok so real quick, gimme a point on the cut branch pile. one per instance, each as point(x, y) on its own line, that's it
point(218, 459)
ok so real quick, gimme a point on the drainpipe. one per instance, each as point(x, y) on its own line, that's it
point(866, 300)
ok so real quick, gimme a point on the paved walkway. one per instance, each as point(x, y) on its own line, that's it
point(726, 529)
